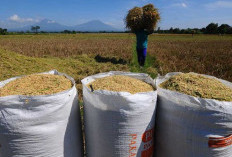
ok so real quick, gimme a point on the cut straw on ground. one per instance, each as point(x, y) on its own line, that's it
point(119, 83)
point(36, 84)
point(198, 86)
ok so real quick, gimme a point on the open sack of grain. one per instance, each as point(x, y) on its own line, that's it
point(119, 114)
point(194, 116)
point(146, 18)
point(39, 116)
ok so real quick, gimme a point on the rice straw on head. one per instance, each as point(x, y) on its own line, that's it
point(134, 19)
point(146, 17)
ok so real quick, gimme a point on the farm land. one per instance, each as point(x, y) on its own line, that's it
point(81, 55)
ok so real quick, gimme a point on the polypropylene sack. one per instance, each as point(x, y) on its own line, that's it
point(188, 126)
point(40, 126)
point(119, 124)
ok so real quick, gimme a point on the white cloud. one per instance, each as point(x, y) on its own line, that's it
point(51, 21)
point(109, 23)
point(16, 18)
point(183, 5)
point(219, 4)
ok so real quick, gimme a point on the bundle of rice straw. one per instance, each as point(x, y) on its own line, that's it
point(134, 19)
point(146, 17)
point(151, 17)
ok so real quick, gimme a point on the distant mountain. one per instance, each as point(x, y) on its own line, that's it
point(45, 25)
point(93, 26)
point(52, 26)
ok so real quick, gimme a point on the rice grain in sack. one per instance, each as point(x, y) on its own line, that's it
point(40, 126)
point(188, 126)
point(119, 124)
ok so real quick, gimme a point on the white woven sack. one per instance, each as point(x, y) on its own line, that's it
point(119, 124)
point(188, 126)
point(40, 126)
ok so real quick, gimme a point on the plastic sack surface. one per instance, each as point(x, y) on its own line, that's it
point(40, 126)
point(188, 126)
point(119, 124)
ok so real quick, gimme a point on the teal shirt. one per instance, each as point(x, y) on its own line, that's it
point(142, 37)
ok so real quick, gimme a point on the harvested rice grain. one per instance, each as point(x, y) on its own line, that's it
point(198, 86)
point(119, 83)
point(36, 84)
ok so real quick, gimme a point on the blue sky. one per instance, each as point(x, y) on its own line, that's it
point(174, 13)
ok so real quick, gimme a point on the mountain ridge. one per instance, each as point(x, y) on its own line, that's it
point(52, 26)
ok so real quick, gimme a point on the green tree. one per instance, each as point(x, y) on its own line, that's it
point(176, 30)
point(188, 31)
point(35, 29)
point(224, 29)
point(212, 28)
point(32, 28)
point(182, 31)
point(230, 30)
point(3, 31)
point(171, 30)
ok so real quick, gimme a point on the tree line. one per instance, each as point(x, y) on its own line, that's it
point(3, 31)
point(212, 28)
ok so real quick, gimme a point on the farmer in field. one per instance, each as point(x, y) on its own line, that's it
point(141, 45)
point(142, 22)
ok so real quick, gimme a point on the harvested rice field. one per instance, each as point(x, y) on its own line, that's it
point(119, 83)
point(37, 84)
point(198, 86)
point(84, 54)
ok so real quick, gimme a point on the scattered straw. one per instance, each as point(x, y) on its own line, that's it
point(119, 83)
point(198, 86)
point(36, 84)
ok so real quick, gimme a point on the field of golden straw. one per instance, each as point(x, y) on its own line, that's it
point(81, 55)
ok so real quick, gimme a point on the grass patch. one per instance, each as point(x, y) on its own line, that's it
point(150, 66)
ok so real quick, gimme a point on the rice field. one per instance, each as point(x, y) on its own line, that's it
point(81, 55)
